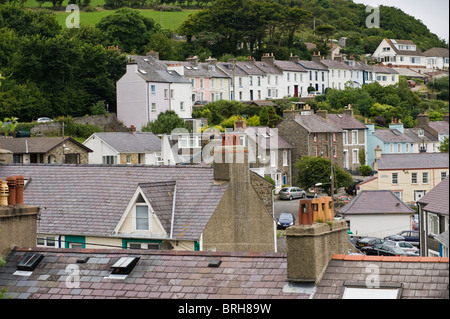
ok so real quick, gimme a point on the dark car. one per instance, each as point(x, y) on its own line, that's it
point(368, 242)
point(410, 236)
point(285, 220)
point(383, 250)
point(353, 189)
point(200, 103)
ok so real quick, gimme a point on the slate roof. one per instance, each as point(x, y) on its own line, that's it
point(200, 70)
point(289, 66)
point(128, 142)
point(413, 161)
point(311, 65)
point(316, 124)
point(419, 277)
point(375, 202)
point(70, 195)
point(436, 200)
point(440, 126)
point(346, 122)
point(392, 136)
point(268, 68)
point(158, 274)
point(156, 71)
point(437, 52)
point(28, 145)
point(265, 143)
point(334, 64)
point(417, 52)
point(413, 134)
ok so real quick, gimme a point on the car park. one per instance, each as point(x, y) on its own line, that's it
point(410, 249)
point(383, 250)
point(410, 236)
point(291, 193)
point(368, 242)
point(285, 220)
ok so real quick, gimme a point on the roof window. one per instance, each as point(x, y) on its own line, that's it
point(124, 265)
point(30, 262)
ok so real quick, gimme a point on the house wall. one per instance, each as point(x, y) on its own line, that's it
point(405, 187)
point(132, 98)
point(99, 149)
point(352, 162)
point(182, 93)
point(60, 151)
point(339, 77)
point(378, 225)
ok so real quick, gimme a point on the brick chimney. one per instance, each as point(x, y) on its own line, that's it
point(348, 110)
point(294, 58)
point(240, 123)
point(153, 54)
point(322, 113)
point(422, 120)
point(310, 248)
point(316, 58)
point(18, 221)
point(268, 58)
point(193, 60)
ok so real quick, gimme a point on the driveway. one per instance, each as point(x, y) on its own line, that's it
point(285, 206)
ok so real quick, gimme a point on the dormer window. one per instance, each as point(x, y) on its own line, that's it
point(141, 217)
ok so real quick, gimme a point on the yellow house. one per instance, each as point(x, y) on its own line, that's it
point(408, 176)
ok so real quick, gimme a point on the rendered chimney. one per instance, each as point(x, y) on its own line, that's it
point(12, 190)
point(19, 189)
point(323, 114)
point(4, 192)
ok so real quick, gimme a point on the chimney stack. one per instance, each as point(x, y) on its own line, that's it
point(294, 58)
point(270, 59)
point(19, 189)
point(322, 113)
point(193, 60)
point(240, 123)
point(4, 193)
point(11, 181)
point(153, 54)
point(422, 120)
point(310, 248)
point(316, 58)
point(349, 110)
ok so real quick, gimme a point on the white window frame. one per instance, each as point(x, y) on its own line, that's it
point(425, 178)
point(136, 225)
point(355, 157)
point(433, 224)
point(285, 158)
point(394, 178)
point(354, 137)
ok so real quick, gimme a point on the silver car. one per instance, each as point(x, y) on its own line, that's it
point(291, 193)
point(406, 247)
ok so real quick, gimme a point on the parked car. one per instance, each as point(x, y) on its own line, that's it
point(383, 250)
point(345, 198)
point(200, 103)
point(352, 190)
point(285, 220)
point(410, 236)
point(368, 242)
point(412, 83)
point(291, 193)
point(44, 120)
point(410, 249)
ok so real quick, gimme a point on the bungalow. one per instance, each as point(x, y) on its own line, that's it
point(433, 214)
point(49, 150)
point(152, 207)
point(371, 210)
point(124, 148)
point(400, 53)
point(437, 58)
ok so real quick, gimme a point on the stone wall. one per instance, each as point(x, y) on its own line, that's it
point(106, 123)
point(17, 227)
point(59, 153)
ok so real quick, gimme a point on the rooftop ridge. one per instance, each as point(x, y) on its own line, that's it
point(104, 165)
point(99, 251)
point(389, 258)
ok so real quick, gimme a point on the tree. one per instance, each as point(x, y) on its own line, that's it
point(165, 123)
point(443, 147)
point(313, 170)
point(128, 29)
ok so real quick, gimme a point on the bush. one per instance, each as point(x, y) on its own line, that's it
point(365, 170)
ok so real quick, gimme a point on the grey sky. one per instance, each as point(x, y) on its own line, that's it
point(433, 13)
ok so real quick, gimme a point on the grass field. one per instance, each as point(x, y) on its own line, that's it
point(168, 20)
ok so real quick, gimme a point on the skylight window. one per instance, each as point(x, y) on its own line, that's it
point(142, 71)
point(124, 265)
point(30, 262)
